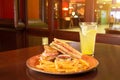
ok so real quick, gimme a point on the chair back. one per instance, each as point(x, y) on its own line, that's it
point(100, 38)
point(108, 38)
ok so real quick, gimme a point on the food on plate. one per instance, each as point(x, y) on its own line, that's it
point(63, 57)
point(65, 48)
point(60, 57)
point(49, 53)
point(63, 65)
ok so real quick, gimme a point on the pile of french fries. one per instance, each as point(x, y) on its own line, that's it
point(67, 66)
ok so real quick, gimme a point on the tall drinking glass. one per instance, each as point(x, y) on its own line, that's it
point(87, 37)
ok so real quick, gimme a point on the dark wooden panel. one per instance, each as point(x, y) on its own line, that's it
point(11, 39)
point(37, 32)
point(112, 31)
point(67, 35)
point(100, 38)
point(108, 38)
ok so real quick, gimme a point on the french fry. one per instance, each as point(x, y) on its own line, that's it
point(66, 66)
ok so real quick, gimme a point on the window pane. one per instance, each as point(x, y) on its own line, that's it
point(68, 13)
point(36, 14)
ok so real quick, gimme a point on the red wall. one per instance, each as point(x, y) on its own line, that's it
point(22, 16)
point(65, 13)
point(6, 9)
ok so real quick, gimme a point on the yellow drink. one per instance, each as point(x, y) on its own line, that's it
point(87, 38)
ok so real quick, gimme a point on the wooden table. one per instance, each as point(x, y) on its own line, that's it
point(13, 65)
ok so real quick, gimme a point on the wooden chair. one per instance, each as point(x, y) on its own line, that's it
point(100, 38)
point(112, 31)
point(108, 38)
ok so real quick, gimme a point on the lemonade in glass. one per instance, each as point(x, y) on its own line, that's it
point(88, 32)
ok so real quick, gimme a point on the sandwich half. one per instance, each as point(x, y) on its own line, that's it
point(65, 48)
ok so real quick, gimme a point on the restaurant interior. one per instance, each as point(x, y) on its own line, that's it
point(26, 23)
point(50, 40)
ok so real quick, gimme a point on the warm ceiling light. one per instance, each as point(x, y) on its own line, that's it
point(113, 7)
point(101, 6)
point(70, 7)
point(65, 9)
point(104, 3)
point(118, 1)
